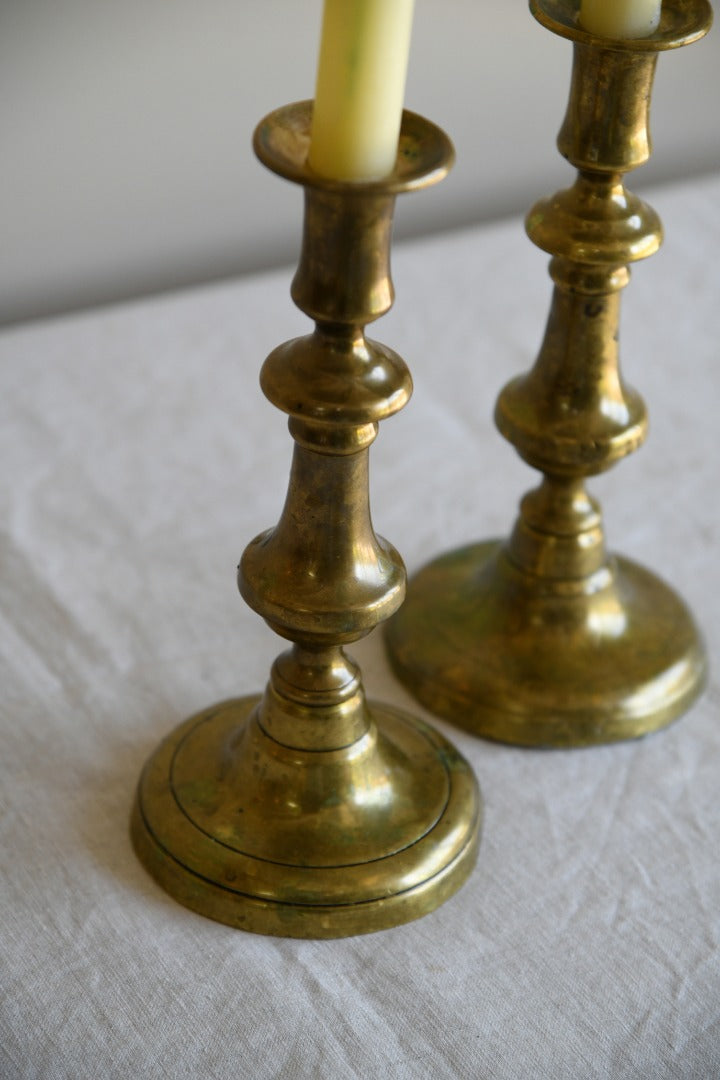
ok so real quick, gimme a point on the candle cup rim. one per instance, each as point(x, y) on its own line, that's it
point(681, 23)
point(282, 139)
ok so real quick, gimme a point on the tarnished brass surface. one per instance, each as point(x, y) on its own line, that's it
point(308, 812)
point(302, 843)
point(511, 659)
point(545, 639)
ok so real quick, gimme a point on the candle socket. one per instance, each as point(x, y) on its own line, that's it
point(309, 812)
point(545, 639)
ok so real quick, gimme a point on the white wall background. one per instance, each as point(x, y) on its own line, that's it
point(126, 127)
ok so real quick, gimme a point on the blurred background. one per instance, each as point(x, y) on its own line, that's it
point(126, 129)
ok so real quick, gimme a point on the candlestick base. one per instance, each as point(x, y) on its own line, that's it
point(306, 844)
point(484, 645)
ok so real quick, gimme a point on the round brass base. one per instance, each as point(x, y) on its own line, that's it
point(308, 844)
point(507, 657)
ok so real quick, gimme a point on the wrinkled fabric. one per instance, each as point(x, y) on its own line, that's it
point(138, 458)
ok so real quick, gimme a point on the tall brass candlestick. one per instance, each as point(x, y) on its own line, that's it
point(546, 639)
point(309, 813)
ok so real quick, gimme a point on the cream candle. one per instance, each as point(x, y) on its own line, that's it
point(620, 18)
point(360, 88)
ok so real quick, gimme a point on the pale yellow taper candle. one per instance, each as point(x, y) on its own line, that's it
point(360, 88)
point(620, 18)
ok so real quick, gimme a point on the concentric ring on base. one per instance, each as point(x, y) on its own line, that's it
point(188, 834)
point(499, 654)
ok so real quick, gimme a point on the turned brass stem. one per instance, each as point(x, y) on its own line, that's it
point(572, 415)
point(606, 123)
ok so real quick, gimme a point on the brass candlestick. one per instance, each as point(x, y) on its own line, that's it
point(308, 813)
point(545, 639)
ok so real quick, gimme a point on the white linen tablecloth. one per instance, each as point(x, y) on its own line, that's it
point(139, 457)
